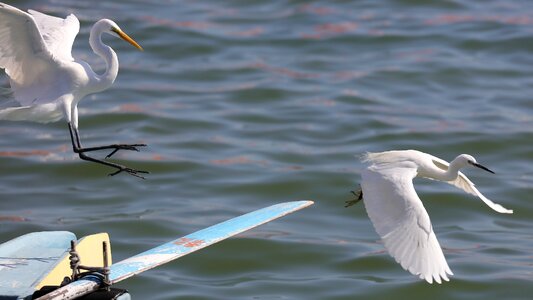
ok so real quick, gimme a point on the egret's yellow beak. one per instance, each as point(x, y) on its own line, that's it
point(127, 38)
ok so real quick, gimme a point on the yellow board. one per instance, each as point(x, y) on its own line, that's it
point(91, 254)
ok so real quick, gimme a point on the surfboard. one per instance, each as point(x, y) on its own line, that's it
point(26, 259)
point(177, 248)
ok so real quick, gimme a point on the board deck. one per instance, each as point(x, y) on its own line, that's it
point(26, 259)
point(178, 248)
point(200, 239)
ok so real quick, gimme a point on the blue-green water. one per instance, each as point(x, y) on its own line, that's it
point(249, 103)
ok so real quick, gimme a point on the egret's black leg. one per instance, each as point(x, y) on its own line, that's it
point(77, 148)
point(358, 197)
point(115, 147)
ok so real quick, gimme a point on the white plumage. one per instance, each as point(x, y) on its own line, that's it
point(46, 81)
point(398, 214)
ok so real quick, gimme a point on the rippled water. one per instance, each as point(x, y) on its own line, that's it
point(249, 103)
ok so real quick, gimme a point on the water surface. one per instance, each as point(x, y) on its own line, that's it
point(249, 103)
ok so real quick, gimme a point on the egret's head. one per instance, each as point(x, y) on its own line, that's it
point(466, 159)
point(112, 28)
point(470, 160)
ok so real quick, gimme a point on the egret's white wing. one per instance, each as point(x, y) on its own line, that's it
point(20, 42)
point(401, 220)
point(468, 186)
point(30, 66)
point(58, 34)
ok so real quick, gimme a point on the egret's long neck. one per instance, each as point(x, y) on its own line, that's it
point(105, 80)
point(451, 173)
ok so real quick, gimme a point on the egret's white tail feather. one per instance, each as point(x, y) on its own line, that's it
point(43, 113)
point(388, 157)
point(364, 157)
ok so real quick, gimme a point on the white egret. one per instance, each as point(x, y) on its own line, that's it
point(397, 213)
point(46, 81)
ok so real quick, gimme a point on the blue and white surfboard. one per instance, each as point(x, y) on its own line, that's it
point(25, 260)
point(178, 248)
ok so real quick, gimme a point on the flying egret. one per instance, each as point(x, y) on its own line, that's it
point(397, 212)
point(47, 82)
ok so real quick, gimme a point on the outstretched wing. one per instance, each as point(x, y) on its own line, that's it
point(58, 34)
point(401, 220)
point(468, 186)
point(21, 44)
point(32, 69)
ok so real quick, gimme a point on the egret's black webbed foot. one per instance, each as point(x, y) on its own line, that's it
point(117, 147)
point(358, 197)
point(120, 168)
point(81, 151)
point(130, 171)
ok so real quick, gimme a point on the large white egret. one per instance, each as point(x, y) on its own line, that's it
point(397, 212)
point(47, 83)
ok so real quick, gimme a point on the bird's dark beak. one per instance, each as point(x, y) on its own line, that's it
point(127, 38)
point(481, 167)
